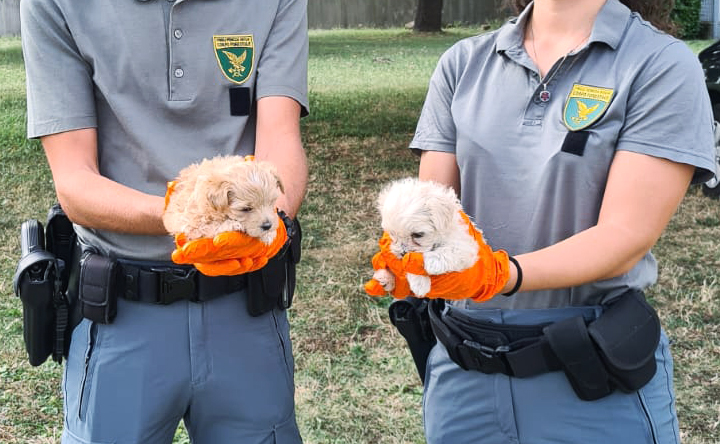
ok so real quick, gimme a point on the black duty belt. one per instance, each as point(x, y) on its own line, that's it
point(165, 283)
point(514, 350)
point(615, 350)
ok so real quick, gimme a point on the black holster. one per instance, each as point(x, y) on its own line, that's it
point(41, 281)
point(273, 286)
point(410, 317)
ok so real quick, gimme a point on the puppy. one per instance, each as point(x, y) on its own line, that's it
point(423, 216)
point(225, 193)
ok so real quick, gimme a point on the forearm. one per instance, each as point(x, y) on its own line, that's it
point(441, 168)
point(293, 171)
point(598, 253)
point(641, 196)
point(94, 201)
point(278, 141)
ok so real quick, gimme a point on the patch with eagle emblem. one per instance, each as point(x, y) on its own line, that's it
point(235, 55)
point(585, 105)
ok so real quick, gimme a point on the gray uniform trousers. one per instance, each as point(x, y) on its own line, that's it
point(228, 375)
point(462, 407)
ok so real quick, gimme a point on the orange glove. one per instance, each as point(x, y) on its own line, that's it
point(228, 253)
point(483, 280)
point(385, 259)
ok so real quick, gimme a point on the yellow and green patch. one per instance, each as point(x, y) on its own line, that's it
point(585, 105)
point(235, 55)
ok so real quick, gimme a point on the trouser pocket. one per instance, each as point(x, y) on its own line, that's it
point(79, 371)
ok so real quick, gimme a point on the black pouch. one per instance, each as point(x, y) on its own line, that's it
point(60, 238)
point(411, 318)
point(627, 335)
point(274, 285)
point(97, 298)
point(580, 360)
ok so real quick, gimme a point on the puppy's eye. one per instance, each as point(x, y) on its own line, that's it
point(417, 235)
point(246, 209)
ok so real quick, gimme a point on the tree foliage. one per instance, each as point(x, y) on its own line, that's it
point(686, 17)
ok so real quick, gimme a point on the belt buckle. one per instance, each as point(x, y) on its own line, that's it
point(486, 359)
point(175, 284)
point(485, 350)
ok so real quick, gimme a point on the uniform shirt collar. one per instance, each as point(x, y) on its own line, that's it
point(608, 28)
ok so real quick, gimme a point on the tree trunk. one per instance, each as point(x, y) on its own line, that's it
point(428, 16)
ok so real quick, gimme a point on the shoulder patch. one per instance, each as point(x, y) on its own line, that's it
point(235, 55)
point(585, 105)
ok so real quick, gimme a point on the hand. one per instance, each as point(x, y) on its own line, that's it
point(228, 253)
point(483, 280)
point(385, 260)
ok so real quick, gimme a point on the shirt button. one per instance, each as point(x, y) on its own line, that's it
point(178, 33)
point(179, 72)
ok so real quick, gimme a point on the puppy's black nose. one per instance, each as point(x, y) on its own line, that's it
point(266, 225)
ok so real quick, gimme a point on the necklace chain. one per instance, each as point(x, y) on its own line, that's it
point(544, 95)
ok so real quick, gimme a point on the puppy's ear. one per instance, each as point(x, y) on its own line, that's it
point(270, 168)
point(219, 193)
point(442, 210)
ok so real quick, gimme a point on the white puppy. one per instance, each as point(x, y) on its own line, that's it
point(225, 193)
point(423, 216)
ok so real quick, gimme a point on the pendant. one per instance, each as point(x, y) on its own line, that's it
point(544, 96)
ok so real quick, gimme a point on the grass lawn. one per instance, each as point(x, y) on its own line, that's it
point(355, 381)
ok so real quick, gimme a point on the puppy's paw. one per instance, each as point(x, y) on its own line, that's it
point(385, 278)
point(419, 284)
point(436, 263)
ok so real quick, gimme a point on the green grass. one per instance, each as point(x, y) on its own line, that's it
point(355, 381)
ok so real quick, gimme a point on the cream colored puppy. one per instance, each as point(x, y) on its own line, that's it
point(225, 193)
point(423, 216)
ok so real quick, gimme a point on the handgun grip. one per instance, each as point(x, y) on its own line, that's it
point(32, 237)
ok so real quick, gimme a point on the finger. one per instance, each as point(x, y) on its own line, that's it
point(373, 288)
point(227, 267)
point(414, 263)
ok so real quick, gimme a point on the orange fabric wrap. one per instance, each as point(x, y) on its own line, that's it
point(483, 280)
point(228, 253)
point(170, 189)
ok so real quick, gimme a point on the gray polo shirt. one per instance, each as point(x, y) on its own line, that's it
point(156, 78)
point(533, 172)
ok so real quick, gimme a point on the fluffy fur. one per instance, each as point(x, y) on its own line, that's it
point(225, 193)
point(423, 216)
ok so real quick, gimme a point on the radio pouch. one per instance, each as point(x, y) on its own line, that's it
point(274, 284)
point(96, 297)
point(627, 335)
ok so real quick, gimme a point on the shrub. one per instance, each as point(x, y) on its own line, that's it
point(686, 16)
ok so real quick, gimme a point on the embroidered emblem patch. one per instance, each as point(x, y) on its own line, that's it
point(585, 105)
point(235, 55)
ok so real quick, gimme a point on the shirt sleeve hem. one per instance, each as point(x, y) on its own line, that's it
point(37, 130)
point(704, 166)
point(286, 91)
